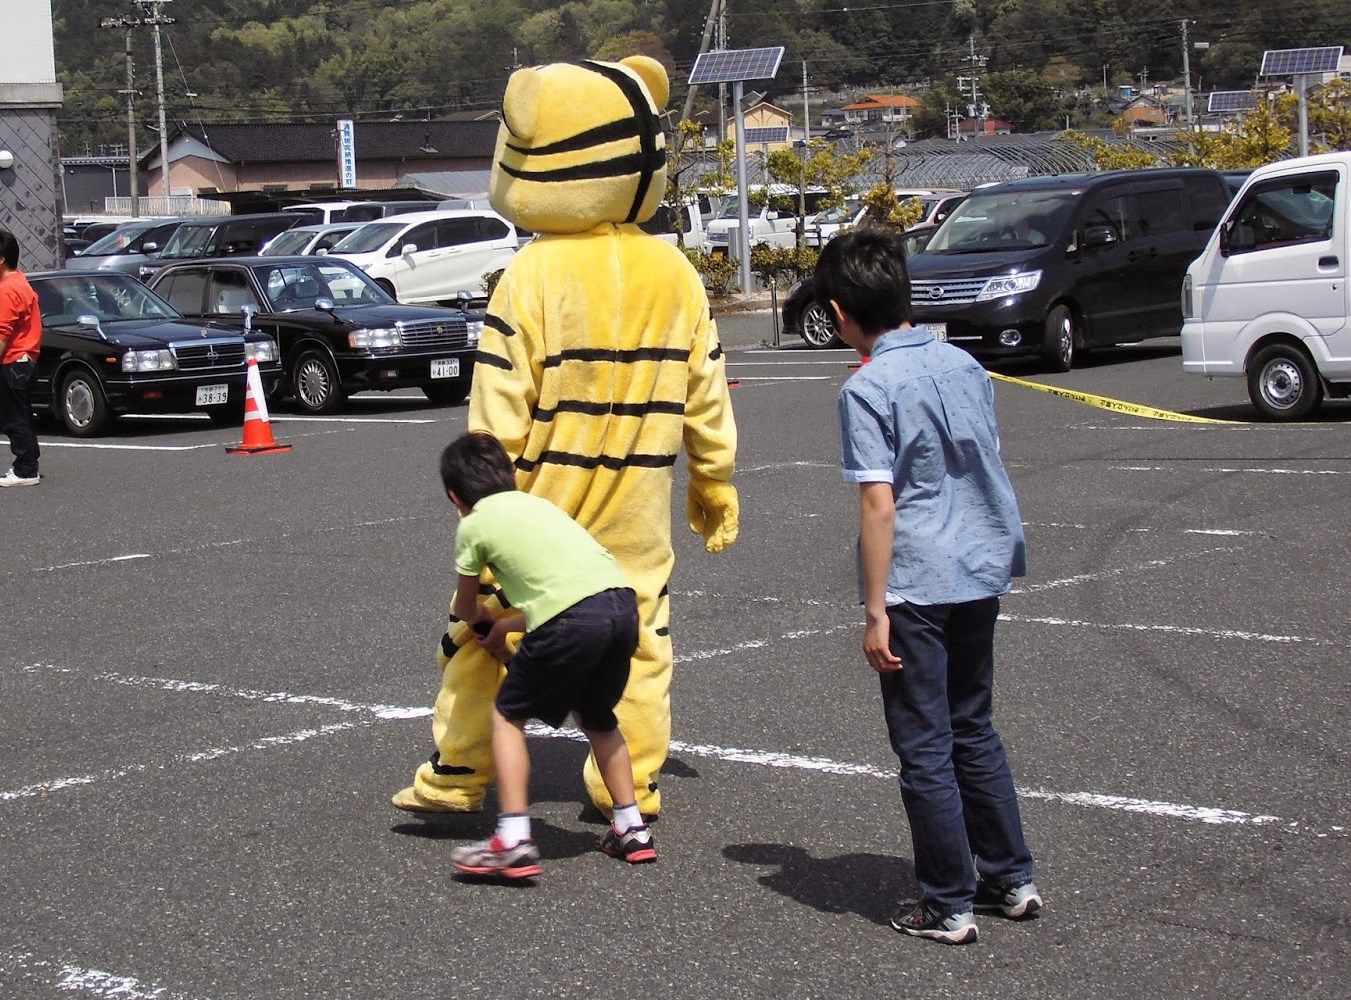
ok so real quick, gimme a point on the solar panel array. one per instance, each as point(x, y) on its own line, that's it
point(736, 65)
point(1295, 62)
point(1221, 101)
point(768, 133)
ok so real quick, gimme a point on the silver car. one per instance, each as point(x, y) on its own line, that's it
point(126, 248)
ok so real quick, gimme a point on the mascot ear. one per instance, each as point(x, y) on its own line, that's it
point(653, 75)
point(520, 103)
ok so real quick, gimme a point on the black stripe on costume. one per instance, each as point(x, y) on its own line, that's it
point(664, 630)
point(716, 353)
point(484, 358)
point(665, 590)
point(603, 409)
point(649, 129)
point(447, 645)
point(618, 357)
point(488, 590)
point(618, 166)
point(595, 461)
point(624, 128)
point(499, 324)
point(447, 769)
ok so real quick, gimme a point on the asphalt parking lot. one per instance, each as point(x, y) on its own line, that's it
point(217, 669)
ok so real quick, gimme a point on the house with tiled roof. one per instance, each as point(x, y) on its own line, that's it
point(880, 108)
point(302, 158)
point(768, 127)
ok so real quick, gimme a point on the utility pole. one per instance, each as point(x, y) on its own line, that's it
point(1187, 82)
point(127, 23)
point(155, 18)
point(975, 113)
point(722, 87)
point(709, 24)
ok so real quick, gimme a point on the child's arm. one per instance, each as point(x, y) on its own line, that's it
point(876, 527)
point(465, 605)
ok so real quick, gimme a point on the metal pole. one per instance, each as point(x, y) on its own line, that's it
point(743, 212)
point(1301, 85)
point(155, 20)
point(703, 47)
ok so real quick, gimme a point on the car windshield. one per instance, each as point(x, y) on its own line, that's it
point(1003, 221)
point(190, 241)
point(118, 240)
point(290, 287)
point(840, 213)
point(369, 238)
point(112, 297)
point(291, 242)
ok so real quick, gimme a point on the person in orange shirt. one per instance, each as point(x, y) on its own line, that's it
point(20, 339)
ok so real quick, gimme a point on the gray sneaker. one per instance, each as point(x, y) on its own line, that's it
point(1017, 902)
point(956, 928)
point(492, 857)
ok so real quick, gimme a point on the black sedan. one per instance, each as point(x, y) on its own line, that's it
point(802, 316)
point(111, 346)
point(339, 331)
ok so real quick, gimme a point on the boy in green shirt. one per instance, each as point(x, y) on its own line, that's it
point(581, 622)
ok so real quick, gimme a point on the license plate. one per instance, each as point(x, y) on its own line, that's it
point(445, 368)
point(212, 395)
point(939, 330)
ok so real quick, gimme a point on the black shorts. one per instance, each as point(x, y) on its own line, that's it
point(577, 661)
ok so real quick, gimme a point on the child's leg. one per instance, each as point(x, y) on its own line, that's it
point(512, 761)
point(612, 760)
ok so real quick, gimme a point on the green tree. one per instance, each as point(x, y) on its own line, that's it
point(821, 168)
point(1025, 100)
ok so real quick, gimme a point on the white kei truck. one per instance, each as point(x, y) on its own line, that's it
point(1268, 299)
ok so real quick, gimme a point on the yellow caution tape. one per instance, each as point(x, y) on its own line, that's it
point(1116, 405)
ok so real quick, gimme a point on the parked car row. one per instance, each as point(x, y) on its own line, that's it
point(318, 327)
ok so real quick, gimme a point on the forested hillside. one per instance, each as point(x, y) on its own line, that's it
point(298, 59)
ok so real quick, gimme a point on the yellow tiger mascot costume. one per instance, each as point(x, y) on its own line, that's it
point(599, 359)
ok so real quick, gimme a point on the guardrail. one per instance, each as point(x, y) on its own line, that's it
point(173, 205)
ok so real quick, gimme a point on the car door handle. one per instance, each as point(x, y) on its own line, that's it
point(1328, 261)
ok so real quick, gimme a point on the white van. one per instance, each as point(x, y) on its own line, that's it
point(1268, 298)
point(430, 257)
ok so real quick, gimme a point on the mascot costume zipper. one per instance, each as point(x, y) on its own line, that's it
point(599, 360)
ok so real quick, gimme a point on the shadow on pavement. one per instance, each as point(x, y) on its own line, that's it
point(867, 884)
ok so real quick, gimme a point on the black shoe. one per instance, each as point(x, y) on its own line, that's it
point(635, 845)
point(955, 928)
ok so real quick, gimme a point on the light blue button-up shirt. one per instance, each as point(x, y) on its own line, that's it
point(920, 415)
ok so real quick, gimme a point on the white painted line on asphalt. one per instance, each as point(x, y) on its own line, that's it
point(1098, 527)
point(779, 350)
point(776, 466)
point(834, 363)
point(1071, 581)
point(782, 378)
point(93, 562)
point(1226, 469)
point(100, 446)
point(764, 758)
point(1169, 629)
point(92, 982)
point(354, 420)
point(43, 788)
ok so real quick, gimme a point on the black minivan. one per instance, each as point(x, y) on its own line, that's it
point(1056, 265)
point(220, 236)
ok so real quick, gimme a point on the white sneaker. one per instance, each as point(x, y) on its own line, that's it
point(11, 478)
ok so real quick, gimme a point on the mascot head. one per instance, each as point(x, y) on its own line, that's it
point(581, 144)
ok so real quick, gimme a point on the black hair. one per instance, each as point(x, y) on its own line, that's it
point(864, 271)
point(475, 465)
point(9, 249)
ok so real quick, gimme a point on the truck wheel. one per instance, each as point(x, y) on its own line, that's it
point(1283, 384)
point(1058, 342)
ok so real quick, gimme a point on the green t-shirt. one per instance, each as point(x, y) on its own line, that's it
point(544, 561)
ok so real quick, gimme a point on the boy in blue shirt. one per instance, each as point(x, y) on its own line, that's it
point(581, 622)
point(940, 539)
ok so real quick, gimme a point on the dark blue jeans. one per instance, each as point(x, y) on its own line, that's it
point(16, 416)
point(955, 780)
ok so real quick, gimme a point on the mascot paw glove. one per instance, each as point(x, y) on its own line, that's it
point(712, 511)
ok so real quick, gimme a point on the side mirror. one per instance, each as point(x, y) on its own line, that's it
point(1099, 236)
point(248, 312)
point(91, 322)
point(150, 247)
point(322, 252)
point(408, 249)
point(462, 299)
point(324, 304)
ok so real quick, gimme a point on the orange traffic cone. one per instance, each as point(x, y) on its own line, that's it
point(258, 439)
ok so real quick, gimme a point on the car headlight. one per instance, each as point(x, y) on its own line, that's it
point(475, 329)
point(149, 361)
point(1009, 284)
point(260, 350)
point(370, 338)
